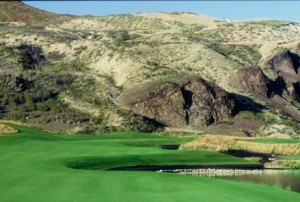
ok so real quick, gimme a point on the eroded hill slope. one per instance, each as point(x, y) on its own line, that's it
point(69, 75)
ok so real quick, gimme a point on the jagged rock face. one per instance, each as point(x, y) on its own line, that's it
point(205, 104)
point(189, 101)
point(296, 91)
point(275, 93)
point(287, 66)
point(254, 81)
point(163, 103)
point(287, 84)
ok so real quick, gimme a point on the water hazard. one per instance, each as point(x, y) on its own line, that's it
point(287, 179)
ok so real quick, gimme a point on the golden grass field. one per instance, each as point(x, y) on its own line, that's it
point(225, 143)
point(7, 130)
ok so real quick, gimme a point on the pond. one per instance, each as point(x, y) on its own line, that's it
point(288, 180)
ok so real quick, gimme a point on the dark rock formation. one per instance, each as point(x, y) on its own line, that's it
point(296, 92)
point(287, 66)
point(204, 103)
point(255, 81)
point(190, 101)
point(279, 87)
point(163, 102)
point(279, 92)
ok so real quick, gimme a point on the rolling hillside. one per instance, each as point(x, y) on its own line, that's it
point(69, 73)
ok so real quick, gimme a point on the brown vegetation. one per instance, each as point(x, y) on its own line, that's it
point(17, 11)
point(7, 130)
point(225, 143)
point(294, 164)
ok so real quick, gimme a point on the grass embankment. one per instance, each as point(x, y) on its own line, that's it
point(292, 162)
point(225, 143)
point(33, 168)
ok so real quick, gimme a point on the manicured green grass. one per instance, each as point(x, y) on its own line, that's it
point(291, 158)
point(33, 168)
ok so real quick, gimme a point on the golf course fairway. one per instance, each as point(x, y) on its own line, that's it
point(39, 166)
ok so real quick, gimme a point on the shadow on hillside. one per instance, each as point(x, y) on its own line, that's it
point(244, 103)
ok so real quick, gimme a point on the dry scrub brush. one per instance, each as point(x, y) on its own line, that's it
point(7, 130)
point(224, 143)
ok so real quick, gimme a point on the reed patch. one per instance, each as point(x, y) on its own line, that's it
point(7, 130)
point(224, 143)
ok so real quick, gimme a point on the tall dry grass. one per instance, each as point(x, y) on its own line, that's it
point(224, 143)
point(7, 130)
point(293, 164)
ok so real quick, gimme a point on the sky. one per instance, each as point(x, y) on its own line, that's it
point(234, 10)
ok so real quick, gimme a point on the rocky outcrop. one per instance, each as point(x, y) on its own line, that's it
point(255, 81)
point(205, 104)
point(287, 84)
point(287, 66)
point(279, 92)
point(189, 101)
